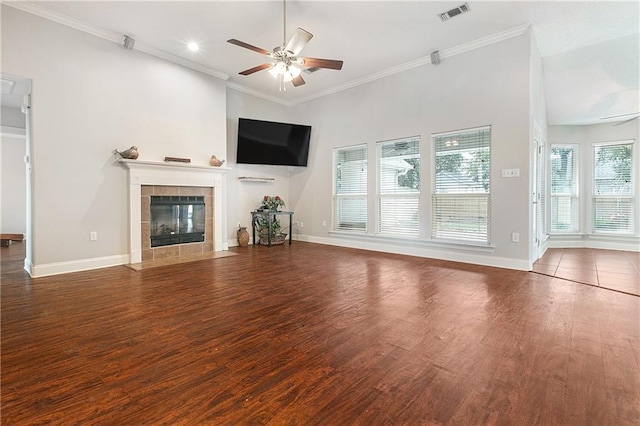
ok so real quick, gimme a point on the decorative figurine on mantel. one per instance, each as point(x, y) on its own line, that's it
point(215, 162)
point(129, 154)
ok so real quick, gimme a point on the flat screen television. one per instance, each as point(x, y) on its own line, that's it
point(268, 142)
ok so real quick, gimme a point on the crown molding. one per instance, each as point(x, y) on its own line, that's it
point(256, 93)
point(485, 41)
point(143, 47)
point(446, 53)
point(112, 36)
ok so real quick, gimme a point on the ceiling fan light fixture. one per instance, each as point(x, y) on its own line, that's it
point(295, 71)
point(288, 72)
point(278, 68)
point(291, 73)
point(285, 65)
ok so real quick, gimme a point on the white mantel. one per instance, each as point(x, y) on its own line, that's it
point(175, 174)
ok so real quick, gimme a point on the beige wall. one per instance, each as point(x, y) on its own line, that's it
point(91, 96)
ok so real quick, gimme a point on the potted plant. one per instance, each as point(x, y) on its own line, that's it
point(270, 204)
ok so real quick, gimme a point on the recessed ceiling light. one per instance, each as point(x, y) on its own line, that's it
point(193, 46)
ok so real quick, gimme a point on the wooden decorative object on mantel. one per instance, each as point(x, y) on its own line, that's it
point(177, 159)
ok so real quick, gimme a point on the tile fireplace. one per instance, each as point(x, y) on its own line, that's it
point(204, 186)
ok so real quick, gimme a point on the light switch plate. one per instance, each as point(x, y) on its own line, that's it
point(509, 173)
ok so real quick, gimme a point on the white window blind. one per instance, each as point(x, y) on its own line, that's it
point(564, 189)
point(542, 190)
point(350, 189)
point(613, 189)
point(398, 187)
point(461, 197)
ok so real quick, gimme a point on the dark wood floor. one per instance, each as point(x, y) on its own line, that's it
point(312, 334)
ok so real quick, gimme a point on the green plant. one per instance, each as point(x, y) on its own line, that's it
point(263, 226)
point(271, 203)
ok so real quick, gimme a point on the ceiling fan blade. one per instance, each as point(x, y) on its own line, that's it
point(626, 121)
point(298, 81)
point(255, 69)
point(249, 46)
point(322, 63)
point(298, 41)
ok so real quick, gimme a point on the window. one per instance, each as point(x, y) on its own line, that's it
point(564, 188)
point(461, 197)
point(613, 191)
point(350, 189)
point(398, 186)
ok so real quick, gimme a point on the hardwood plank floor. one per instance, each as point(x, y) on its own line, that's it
point(313, 334)
point(612, 269)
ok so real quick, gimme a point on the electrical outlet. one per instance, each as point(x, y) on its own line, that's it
point(301, 224)
point(515, 237)
point(93, 236)
point(324, 223)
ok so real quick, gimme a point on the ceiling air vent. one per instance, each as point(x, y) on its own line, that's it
point(454, 12)
point(311, 70)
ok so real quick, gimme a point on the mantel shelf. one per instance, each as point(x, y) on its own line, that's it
point(169, 164)
point(256, 179)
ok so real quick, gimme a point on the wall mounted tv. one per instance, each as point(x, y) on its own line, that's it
point(268, 142)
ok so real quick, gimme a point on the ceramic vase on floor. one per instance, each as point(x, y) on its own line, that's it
point(243, 237)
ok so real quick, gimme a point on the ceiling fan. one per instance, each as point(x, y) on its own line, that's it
point(285, 64)
point(635, 115)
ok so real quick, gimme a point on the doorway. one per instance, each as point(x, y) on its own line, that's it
point(15, 159)
point(538, 195)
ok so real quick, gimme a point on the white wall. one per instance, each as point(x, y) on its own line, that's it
point(585, 136)
point(13, 181)
point(90, 96)
point(487, 86)
point(13, 201)
point(246, 196)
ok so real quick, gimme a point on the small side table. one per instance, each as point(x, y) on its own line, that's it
point(270, 215)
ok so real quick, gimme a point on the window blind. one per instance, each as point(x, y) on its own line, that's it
point(564, 188)
point(350, 190)
point(542, 191)
point(613, 189)
point(461, 198)
point(398, 187)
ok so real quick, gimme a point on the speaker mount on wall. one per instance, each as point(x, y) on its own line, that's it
point(129, 42)
point(435, 57)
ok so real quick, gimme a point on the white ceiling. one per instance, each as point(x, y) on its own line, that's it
point(589, 49)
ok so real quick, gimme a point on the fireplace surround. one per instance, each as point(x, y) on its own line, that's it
point(174, 179)
point(175, 219)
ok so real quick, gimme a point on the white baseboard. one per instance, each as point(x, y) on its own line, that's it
point(234, 243)
point(433, 253)
point(28, 267)
point(56, 268)
point(601, 242)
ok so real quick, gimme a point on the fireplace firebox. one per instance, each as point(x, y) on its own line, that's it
point(176, 220)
